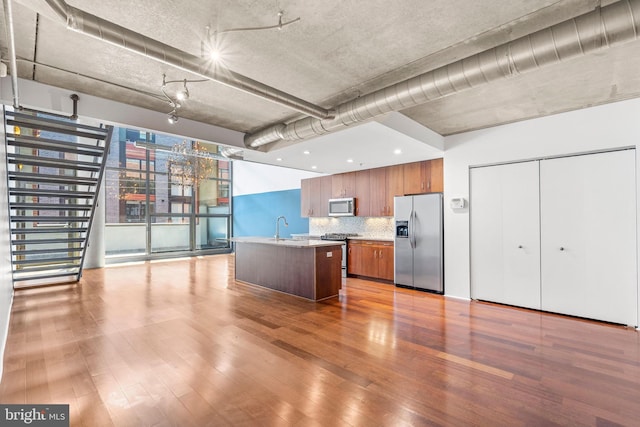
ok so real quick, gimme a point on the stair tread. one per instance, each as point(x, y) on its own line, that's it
point(47, 230)
point(48, 268)
point(17, 115)
point(54, 145)
point(27, 242)
point(51, 179)
point(49, 218)
point(50, 261)
point(52, 162)
point(22, 252)
point(50, 193)
point(42, 276)
point(50, 206)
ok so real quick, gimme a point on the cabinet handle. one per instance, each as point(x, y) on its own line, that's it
point(380, 256)
point(429, 185)
point(375, 255)
point(422, 185)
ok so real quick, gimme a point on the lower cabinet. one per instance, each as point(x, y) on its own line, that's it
point(370, 258)
point(558, 235)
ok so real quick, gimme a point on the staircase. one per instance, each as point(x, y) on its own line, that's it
point(54, 168)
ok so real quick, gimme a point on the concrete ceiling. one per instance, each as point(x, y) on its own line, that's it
point(338, 51)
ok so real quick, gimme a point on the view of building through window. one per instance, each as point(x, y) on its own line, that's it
point(165, 194)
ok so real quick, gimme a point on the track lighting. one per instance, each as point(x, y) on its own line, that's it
point(173, 118)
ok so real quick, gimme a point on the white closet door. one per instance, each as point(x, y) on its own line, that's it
point(588, 236)
point(505, 236)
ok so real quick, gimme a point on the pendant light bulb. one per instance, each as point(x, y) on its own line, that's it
point(215, 55)
point(183, 94)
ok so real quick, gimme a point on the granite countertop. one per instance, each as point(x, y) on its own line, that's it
point(291, 243)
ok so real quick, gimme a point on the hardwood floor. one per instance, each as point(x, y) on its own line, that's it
point(182, 344)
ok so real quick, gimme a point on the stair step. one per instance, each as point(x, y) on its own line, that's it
point(27, 242)
point(24, 252)
point(68, 128)
point(53, 269)
point(51, 262)
point(54, 219)
point(51, 179)
point(18, 278)
point(38, 143)
point(43, 192)
point(53, 163)
point(49, 230)
point(50, 206)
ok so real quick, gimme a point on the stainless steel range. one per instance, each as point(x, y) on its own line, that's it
point(343, 237)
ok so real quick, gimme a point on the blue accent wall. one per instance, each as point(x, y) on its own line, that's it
point(255, 214)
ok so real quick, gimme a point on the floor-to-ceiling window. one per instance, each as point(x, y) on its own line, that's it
point(164, 196)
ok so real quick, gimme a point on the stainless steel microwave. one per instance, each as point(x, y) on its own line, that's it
point(342, 207)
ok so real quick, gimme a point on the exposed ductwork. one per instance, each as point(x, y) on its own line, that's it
point(604, 27)
point(114, 34)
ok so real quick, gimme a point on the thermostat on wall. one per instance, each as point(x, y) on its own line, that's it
point(458, 203)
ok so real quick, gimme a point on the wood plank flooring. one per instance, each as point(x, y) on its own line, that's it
point(182, 344)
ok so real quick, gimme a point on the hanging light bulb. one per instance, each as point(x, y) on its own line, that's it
point(173, 118)
point(183, 94)
point(215, 55)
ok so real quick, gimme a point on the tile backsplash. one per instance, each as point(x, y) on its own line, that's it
point(373, 227)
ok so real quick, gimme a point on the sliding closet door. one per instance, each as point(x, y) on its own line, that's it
point(505, 237)
point(588, 236)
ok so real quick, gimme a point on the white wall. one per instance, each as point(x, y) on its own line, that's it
point(6, 282)
point(603, 127)
point(254, 178)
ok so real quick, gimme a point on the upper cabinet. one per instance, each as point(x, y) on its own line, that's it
point(363, 193)
point(314, 196)
point(423, 177)
point(343, 185)
point(373, 189)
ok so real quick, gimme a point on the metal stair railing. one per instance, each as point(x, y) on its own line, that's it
point(55, 168)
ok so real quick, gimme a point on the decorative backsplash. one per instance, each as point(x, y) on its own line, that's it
point(373, 227)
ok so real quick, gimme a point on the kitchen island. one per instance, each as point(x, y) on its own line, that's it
point(306, 268)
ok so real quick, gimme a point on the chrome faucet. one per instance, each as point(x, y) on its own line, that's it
point(277, 236)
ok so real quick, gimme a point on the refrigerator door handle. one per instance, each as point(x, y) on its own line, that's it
point(412, 229)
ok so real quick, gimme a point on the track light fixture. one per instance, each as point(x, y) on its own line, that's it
point(210, 46)
point(180, 95)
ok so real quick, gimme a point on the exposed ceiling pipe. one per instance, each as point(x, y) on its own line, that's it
point(604, 27)
point(114, 34)
point(13, 67)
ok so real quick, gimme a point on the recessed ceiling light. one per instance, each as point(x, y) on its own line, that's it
point(314, 167)
point(397, 151)
point(306, 152)
point(349, 160)
point(279, 159)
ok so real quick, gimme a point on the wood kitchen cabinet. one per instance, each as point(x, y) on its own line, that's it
point(314, 196)
point(343, 185)
point(423, 177)
point(385, 184)
point(370, 258)
point(363, 193)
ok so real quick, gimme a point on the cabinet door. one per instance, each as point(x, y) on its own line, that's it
point(378, 184)
point(394, 186)
point(305, 198)
point(505, 227)
point(385, 262)
point(362, 193)
point(322, 196)
point(315, 197)
point(369, 260)
point(354, 259)
point(588, 217)
point(435, 176)
point(414, 177)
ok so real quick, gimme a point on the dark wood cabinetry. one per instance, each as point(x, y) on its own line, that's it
point(423, 177)
point(314, 196)
point(343, 185)
point(363, 193)
point(374, 189)
point(370, 258)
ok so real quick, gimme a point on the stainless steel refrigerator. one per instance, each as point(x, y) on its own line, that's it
point(419, 242)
